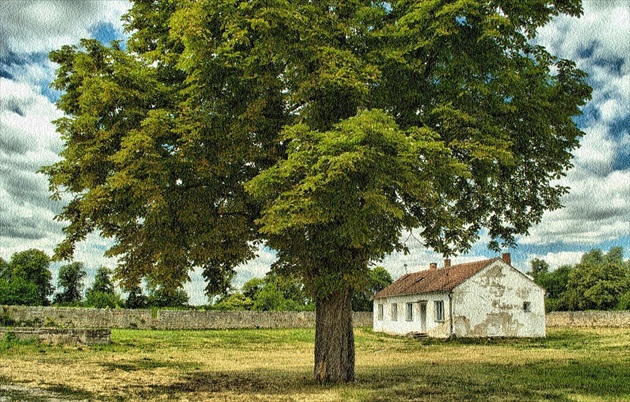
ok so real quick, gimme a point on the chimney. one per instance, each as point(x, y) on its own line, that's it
point(433, 266)
point(507, 258)
point(447, 263)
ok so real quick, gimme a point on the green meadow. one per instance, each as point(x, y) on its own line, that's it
point(276, 365)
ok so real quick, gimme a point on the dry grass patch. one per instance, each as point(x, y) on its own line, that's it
point(276, 365)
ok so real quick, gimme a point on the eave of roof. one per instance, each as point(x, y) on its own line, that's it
point(433, 280)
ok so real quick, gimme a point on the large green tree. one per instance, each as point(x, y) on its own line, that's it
point(323, 127)
point(32, 266)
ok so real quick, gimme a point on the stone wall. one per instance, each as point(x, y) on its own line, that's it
point(618, 319)
point(66, 336)
point(66, 317)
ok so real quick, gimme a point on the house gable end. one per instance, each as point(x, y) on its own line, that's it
point(496, 262)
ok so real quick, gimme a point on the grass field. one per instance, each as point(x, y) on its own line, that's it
point(275, 365)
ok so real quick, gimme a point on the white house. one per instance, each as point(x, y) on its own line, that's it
point(488, 298)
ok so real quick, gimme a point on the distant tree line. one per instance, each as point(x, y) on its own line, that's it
point(26, 280)
point(600, 281)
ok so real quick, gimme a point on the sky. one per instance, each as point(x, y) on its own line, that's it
point(596, 212)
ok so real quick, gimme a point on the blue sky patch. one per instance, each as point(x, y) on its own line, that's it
point(587, 51)
point(5, 74)
point(105, 32)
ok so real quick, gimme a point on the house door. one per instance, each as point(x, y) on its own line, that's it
point(423, 317)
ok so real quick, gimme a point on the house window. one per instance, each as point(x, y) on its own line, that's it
point(394, 312)
point(527, 307)
point(439, 310)
point(409, 315)
point(380, 312)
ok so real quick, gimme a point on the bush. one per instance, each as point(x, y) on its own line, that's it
point(235, 301)
point(19, 291)
point(103, 300)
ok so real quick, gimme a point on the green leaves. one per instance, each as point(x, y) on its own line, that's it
point(325, 128)
point(350, 188)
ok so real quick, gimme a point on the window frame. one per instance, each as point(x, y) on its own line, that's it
point(379, 311)
point(394, 312)
point(409, 312)
point(438, 307)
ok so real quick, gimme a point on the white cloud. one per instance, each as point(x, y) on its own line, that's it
point(29, 30)
point(31, 26)
point(596, 210)
point(90, 251)
point(28, 141)
point(556, 260)
point(595, 155)
point(26, 119)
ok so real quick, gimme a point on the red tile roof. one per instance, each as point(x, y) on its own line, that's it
point(433, 280)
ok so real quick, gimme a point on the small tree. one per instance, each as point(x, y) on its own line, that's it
point(102, 281)
point(101, 294)
point(276, 293)
point(251, 288)
point(539, 267)
point(71, 281)
point(624, 301)
point(136, 299)
point(161, 296)
point(103, 300)
point(235, 301)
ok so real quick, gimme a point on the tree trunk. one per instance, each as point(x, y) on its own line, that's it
point(334, 339)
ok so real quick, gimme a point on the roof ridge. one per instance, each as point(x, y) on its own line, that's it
point(434, 280)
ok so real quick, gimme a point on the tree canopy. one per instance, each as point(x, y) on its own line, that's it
point(325, 128)
point(32, 266)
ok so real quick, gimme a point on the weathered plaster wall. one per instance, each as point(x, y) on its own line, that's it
point(437, 329)
point(164, 319)
point(491, 303)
